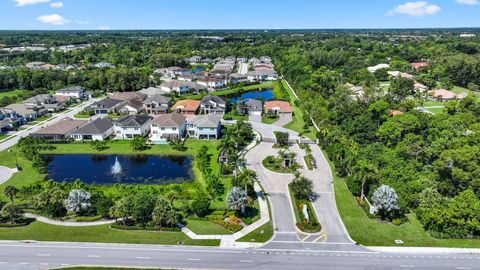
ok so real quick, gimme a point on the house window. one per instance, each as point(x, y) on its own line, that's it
point(212, 129)
point(136, 128)
point(162, 128)
point(119, 132)
point(174, 128)
point(124, 128)
point(129, 136)
point(154, 132)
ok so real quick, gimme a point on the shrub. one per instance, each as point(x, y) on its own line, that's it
point(233, 227)
point(397, 222)
point(87, 218)
point(200, 206)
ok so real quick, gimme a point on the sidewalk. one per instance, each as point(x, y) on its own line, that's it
point(230, 240)
point(425, 250)
point(68, 223)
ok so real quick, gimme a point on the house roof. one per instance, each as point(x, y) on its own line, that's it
point(133, 120)
point(216, 99)
point(106, 103)
point(38, 98)
point(150, 91)
point(134, 103)
point(442, 93)
point(400, 74)
point(97, 126)
point(128, 95)
point(419, 64)
point(278, 105)
point(187, 105)
point(21, 109)
point(75, 88)
point(157, 99)
point(395, 113)
point(205, 121)
point(169, 120)
point(252, 104)
point(61, 127)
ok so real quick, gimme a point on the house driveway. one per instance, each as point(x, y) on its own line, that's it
point(255, 118)
point(283, 120)
point(5, 174)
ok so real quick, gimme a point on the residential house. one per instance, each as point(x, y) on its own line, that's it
point(213, 105)
point(44, 101)
point(443, 94)
point(26, 113)
point(235, 78)
point(104, 65)
point(124, 96)
point(212, 83)
point(9, 120)
point(261, 76)
point(75, 92)
point(35, 65)
point(250, 107)
point(186, 107)
point(59, 130)
point(126, 127)
point(204, 127)
point(98, 130)
point(357, 91)
point(419, 87)
point(278, 107)
point(196, 59)
point(192, 77)
point(105, 106)
point(172, 72)
point(373, 69)
point(157, 104)
point(130, 106)
point(419, 65)
point(180, 87)
point(166, 126)
point(151, 91)
point(398, 74)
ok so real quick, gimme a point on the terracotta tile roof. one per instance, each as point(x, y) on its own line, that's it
point(187, 105)
point(278, 105)
point(395, 112)
point(169, 120)
point(419, 64)
point(442, 93)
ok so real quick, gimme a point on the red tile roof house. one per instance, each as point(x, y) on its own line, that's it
point(418, 65)
point(443, 94)
point(278, 107)
point(187, 107)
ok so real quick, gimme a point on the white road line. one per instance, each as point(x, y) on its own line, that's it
point(93, 256)
point(462, 268)
point(3, 262)
point(44, 255)
point(23, 263)
point(145, 258)
point(407, 266)
point(190, 259)
point(246, 261)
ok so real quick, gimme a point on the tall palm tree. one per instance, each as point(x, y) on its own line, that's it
point(364, 171)
point(10, 192)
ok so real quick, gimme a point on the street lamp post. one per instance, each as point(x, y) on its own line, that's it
point(16, 158)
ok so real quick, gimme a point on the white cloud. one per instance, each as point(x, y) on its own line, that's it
point(81, 22)
point(56, 4)
point(415, 9)
point(104, 27)
point(469, 2)
point(53, 19)
point(21, 3)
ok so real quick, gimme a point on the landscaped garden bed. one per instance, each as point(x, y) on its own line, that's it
point(310, 225)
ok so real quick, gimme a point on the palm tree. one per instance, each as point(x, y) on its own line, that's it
point(10, 192)
point(364, 171)
point(246, 178)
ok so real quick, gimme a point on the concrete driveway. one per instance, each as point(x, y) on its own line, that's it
point(5, 174)
point(283, 120)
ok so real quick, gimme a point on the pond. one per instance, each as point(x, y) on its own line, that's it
point(126, 169)
point(264, 95)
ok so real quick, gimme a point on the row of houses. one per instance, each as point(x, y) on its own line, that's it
point(158, 129)
point(15, 115)
point(131, 103)
point(65, 67)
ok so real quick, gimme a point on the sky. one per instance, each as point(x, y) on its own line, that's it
point(241, 14)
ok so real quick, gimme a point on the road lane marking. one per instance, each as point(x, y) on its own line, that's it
point(23, 263)
point(462, 268)
point(246, 261)
point(190, 259)
point(93, 256)
point(144, 258)
point(44, 255)
point(406, 266)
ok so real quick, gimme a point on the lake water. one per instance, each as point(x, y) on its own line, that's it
point(131, 169)
point(262, 94)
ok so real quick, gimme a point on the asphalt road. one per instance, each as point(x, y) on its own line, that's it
point(23, 256)
point(57, 117)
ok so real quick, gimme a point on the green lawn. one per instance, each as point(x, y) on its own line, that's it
point(234, 116)
point(42, 118)
point(44, 232)
point(458, 90)
point(82, 115)
point(206, 227)
point(435, 110)
point(371, 232)
point(260, 235)
point(280, 91)
point(104, 268)
point(297, 124)
point(430, 103)
point(231, 91)
point(13, 93)
point(269, 120)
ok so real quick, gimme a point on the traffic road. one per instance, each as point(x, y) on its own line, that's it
point(23, 256)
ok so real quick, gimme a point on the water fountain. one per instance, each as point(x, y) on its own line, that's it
point(116, 168)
